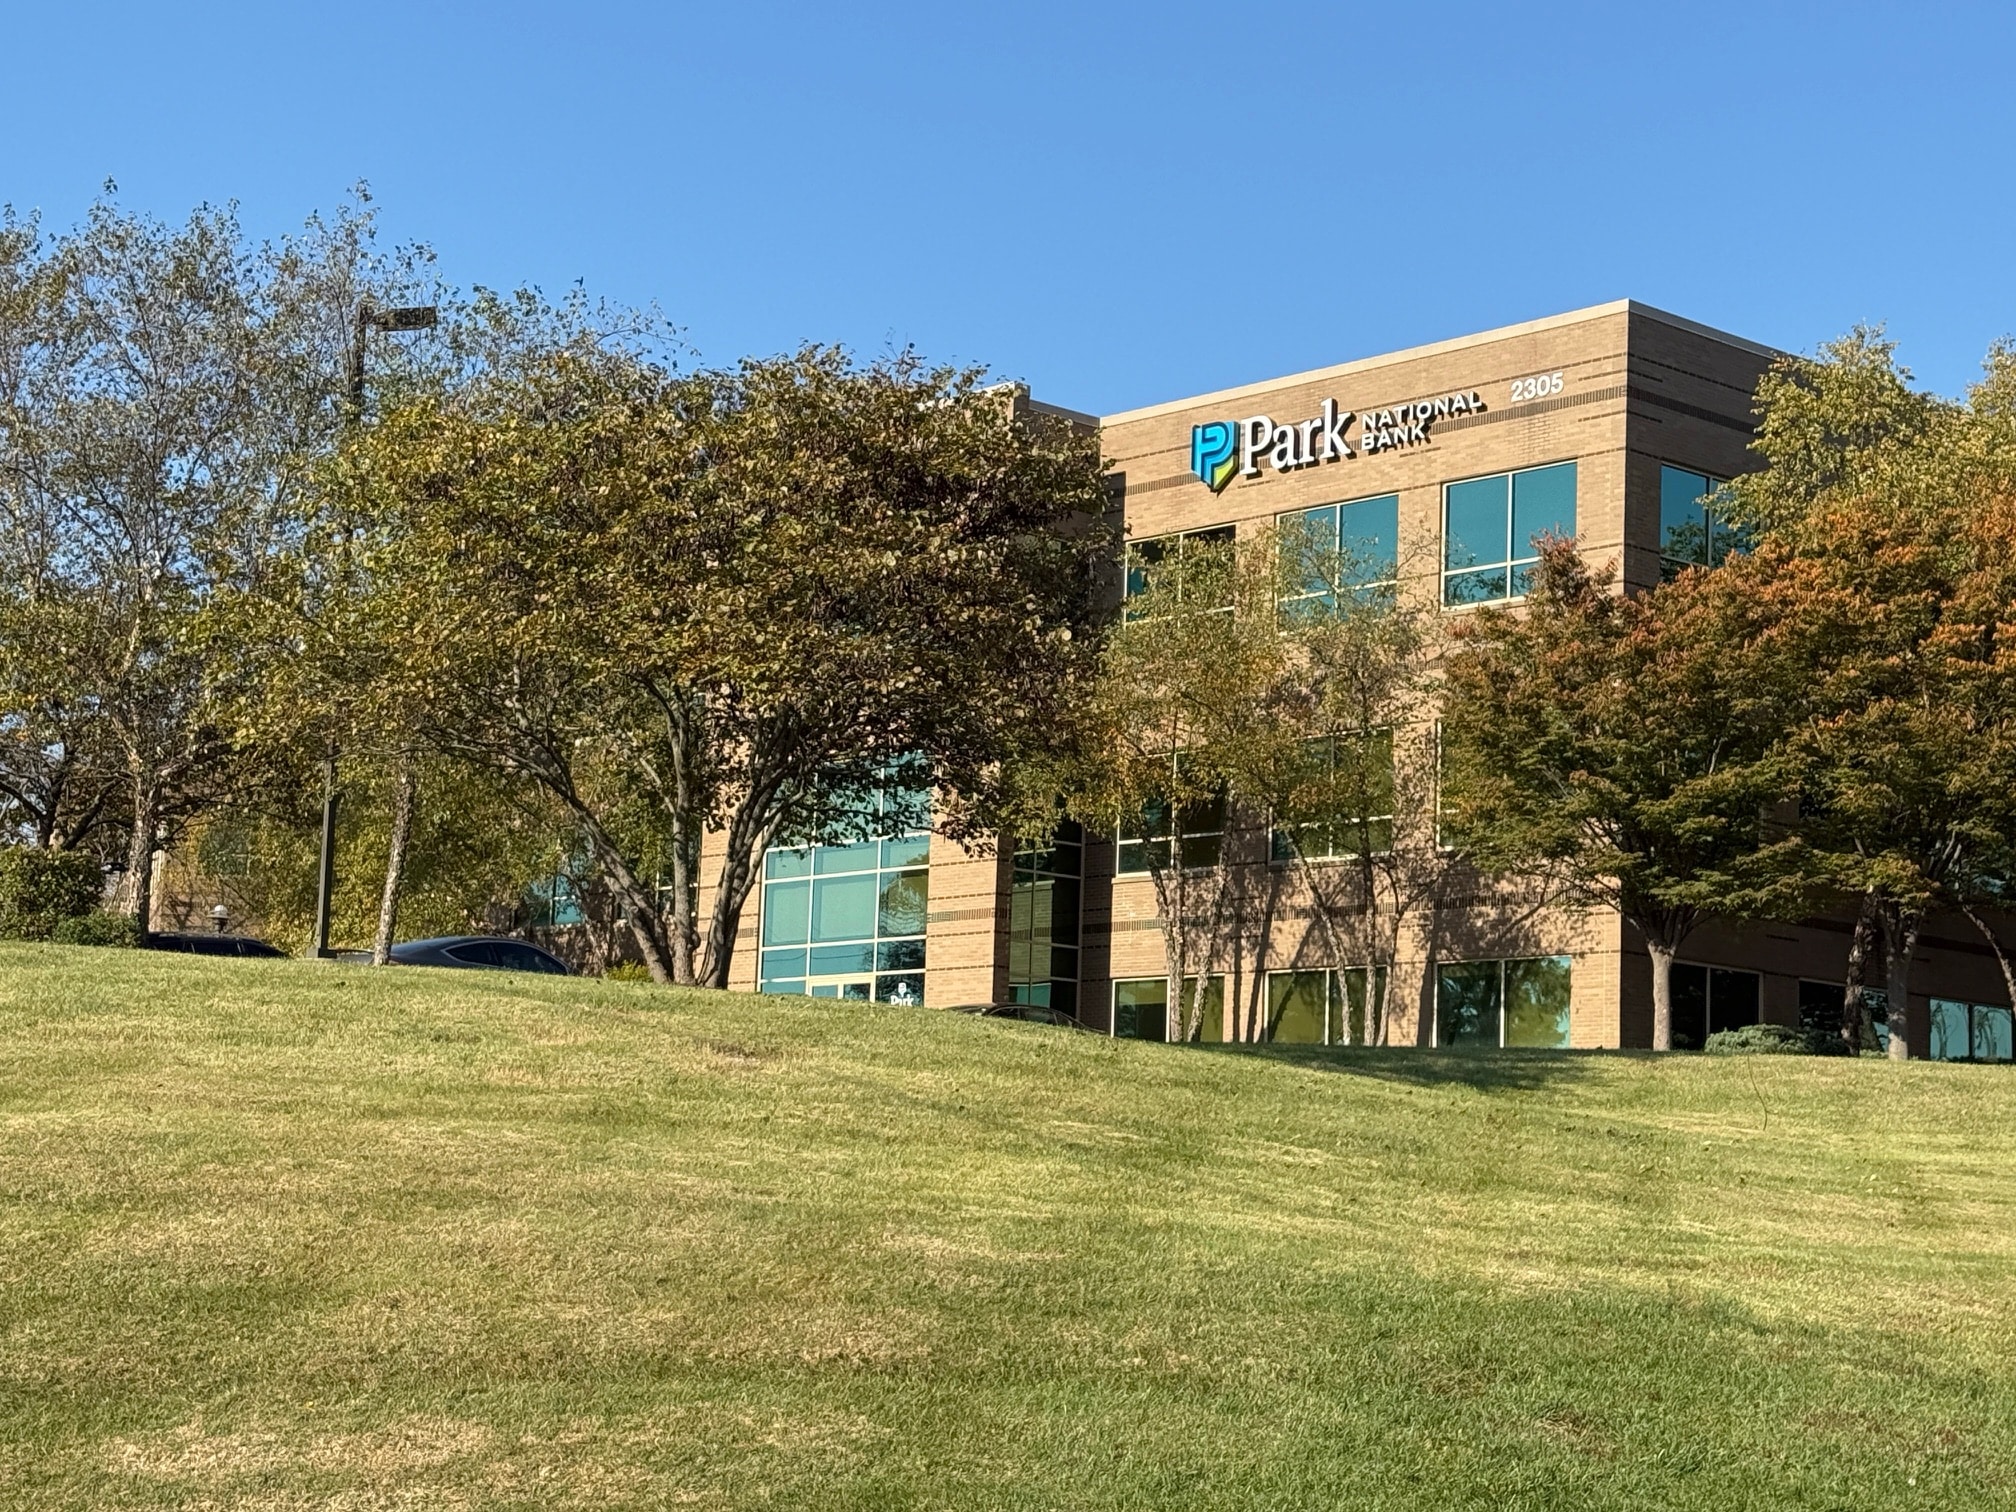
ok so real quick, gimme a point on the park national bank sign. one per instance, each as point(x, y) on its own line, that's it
point(1221, 450)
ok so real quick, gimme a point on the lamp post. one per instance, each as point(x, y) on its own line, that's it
point(369, 318)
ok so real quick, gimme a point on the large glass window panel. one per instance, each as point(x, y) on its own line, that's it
point(785, 912)
point(841, 960)
point(1536, 1003)
point(788, 863)
point(783, 963)
point(843, 908)
point(1683, 517)
point(1210, 1011)
point(911, 850)
point(1474, 523)
point(905, 901)
point(828, 859)
point(899, 955)
point(1689, 988)
point(1467, 1003)
point(1952, 1034)
point(1298, 1003)
point(1994, 1034)
point(1319, 527)
point(795, 986)
point(1476, 587)
point(1733, 998)
point(1368, 540)
point(1141, 1008)
point(1355, 1009)
point(1543, 504)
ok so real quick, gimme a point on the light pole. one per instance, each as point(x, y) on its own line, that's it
point(369, 318)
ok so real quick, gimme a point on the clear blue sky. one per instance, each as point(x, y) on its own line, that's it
point(1120, 203)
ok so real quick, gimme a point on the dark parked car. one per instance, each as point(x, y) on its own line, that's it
point(193, 943)
point(483, 952)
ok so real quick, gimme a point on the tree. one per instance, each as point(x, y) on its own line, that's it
point(1883, 573)
point(734, 601)
point(1154, 748)
point(166, 391)
point(1351, 778)
point(1620, 743)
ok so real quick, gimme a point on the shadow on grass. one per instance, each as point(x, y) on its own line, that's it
point(1484, 1070)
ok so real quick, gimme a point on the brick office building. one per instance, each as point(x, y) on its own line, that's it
point(1610, 423)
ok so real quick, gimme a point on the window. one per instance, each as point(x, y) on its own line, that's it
point(1143, 557)
point(847, 920)
point(1141, 1008)
point(1516, 1004)
point(1490, 527)
point(1971, 1031)
point(1043, 922)
point(1690, 534)
point(1710, 999)
point(1351, 785)
point(1357, 546)
point(1195, 834)
point(1298, 1007)
point(1821, 1005)
point(1324, 1007)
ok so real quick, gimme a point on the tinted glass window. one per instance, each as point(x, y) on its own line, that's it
point(1466, 1003)
point(1491, 528)
point(475, 953)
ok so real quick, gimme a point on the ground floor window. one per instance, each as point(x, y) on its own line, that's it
point(1325, 1007)
point(1710, 999)
point(1043, 901)
point(1520, 1004)
point(847, 920)
point(1141, 1008)
point(1821, 1005)
point(1971, 1031)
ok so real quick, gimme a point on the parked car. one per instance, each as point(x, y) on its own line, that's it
point(194, 943)
point(481, 952)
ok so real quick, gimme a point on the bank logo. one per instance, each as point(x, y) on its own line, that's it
point(1214, 452)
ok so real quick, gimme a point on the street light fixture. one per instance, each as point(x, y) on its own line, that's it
point(369, 318)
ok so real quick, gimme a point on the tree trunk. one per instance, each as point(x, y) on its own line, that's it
point(1662, 992)
point(404, 789)
point(140, 856)
point(2001, 955)
point(1855, 1026)
point(1900, 931)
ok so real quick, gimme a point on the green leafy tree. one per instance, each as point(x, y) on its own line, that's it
point(1620, 745)
point(733, 601)
point(1883, 574)
point(167, 390)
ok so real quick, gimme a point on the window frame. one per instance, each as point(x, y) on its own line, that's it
point(1390, 583)
point(1512, 563)
point(1210, 535)
point(1276, 853)
point(1178, 838)
point(1712, 528)
point(1504, 965)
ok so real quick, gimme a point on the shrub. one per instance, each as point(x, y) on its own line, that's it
point(1774, 1039)
point(97, 928)
point(41, 888)
point(627, 971)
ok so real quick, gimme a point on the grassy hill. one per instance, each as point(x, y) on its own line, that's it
point(275, 1235)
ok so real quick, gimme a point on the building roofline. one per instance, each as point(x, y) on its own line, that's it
point(1439, 348)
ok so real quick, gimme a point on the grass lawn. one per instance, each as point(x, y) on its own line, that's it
point(279, 1236)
